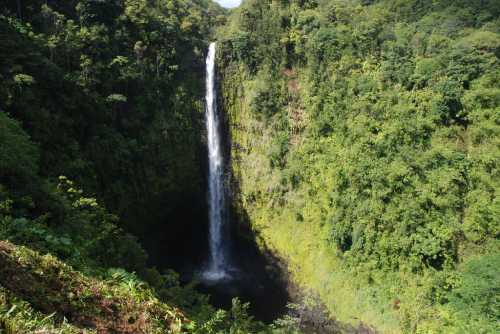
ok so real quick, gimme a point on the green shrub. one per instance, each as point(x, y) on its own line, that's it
point(476, 298)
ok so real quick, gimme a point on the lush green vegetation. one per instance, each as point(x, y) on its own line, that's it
point(101, 120)
point(40, 294)
point(111, 94)
point(365, 152)
point(365, 149)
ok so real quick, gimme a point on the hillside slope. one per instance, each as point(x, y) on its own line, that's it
point(118, 305)
point(111, 94)
point(365, 151)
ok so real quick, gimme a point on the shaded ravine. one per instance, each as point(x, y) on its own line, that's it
point(234, 265)
point(233, 269)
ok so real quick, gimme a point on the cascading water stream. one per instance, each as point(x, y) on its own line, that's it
point(218, 238)
point(245, 275)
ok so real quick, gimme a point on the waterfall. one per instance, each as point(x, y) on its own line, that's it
point(218, 238)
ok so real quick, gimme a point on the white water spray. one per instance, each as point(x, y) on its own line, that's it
point(218, 262)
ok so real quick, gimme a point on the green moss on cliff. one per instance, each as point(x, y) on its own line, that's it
point(365, 151)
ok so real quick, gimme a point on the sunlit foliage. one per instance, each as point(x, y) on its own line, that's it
point(368, 133)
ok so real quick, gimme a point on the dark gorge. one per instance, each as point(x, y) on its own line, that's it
point(251, 274)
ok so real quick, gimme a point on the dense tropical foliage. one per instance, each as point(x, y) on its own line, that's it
point(110, 92)
point(365, 147)
point(100, 148)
